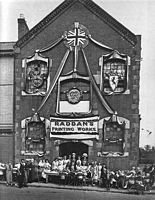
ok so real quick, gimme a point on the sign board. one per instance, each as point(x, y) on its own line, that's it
point(74, 128)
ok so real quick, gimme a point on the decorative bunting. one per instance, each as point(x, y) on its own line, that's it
point(77, 38)
point(55, 78)
point(51, 45)
point(103, 101)
point(100, 44)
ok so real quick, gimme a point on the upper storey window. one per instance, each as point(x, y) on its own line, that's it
point(74, 94)
point(36, 75)
point(114, 73)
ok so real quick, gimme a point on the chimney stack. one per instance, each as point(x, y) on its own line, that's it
point(22, 26)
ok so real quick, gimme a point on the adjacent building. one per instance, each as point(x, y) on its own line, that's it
point(6, 100)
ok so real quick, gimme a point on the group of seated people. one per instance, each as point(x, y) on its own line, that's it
point(70, 168)
point(98, 174)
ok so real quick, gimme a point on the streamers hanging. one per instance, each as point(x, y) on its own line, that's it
point(100, 44)
point(103, 101)
point(51, 45)
point(55, 78)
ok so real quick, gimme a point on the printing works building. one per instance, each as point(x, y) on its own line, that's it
point(76, 87)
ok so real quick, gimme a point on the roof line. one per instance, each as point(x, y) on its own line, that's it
point(112, 22)
point(91, 5)
point(44, 22)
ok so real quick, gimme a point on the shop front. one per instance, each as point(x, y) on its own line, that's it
point(74, 135)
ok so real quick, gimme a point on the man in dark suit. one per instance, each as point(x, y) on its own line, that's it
point(21, 174)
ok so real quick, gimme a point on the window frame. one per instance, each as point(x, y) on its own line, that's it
point(114, 57)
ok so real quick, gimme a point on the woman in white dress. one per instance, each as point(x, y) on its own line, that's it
point(46, 168)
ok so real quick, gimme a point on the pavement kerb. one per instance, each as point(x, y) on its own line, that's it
point(83, 188)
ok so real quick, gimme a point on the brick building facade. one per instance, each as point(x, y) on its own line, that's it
point(77, 87)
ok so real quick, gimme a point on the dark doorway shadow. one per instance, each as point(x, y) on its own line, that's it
point(68, 148)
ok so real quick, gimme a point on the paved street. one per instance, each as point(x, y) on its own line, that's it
point(40, 193)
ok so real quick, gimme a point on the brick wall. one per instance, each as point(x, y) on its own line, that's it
point(127, 105)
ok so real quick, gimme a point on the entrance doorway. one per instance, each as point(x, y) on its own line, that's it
point(68, 148)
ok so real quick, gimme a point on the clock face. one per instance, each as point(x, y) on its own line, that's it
point(74, 95)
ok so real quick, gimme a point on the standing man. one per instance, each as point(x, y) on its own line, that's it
point(21, 174)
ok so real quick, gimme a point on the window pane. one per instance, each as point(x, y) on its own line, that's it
point(6, 70)
point(6, 105)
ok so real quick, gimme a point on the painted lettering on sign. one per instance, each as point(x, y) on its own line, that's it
point(74, 126)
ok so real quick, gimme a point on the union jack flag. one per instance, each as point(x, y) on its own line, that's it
point(76, 37)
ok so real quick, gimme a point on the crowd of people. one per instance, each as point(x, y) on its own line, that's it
point(77, 170)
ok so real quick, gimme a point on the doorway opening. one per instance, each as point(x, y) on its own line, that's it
point(68, 148)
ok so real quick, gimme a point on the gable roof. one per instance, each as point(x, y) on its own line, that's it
point(89, 4)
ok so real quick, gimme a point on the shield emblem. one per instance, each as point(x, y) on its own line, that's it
point(36, 74)
point(113, 81)
point(114, 73)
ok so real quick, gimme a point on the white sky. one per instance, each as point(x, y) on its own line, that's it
point(137, 15)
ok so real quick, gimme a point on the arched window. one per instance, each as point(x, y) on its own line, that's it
point(113, 135)
point(35, 134)
point(114, 73)
point(36, 75)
